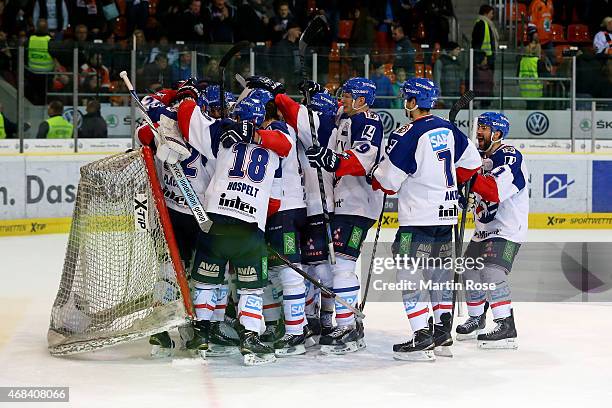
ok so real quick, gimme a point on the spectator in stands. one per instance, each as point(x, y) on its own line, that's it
point(193, 23)
point(384, 87)
point(449, 71)
point(384, 12)
point(404, 51)
point(8, 129)
point(94, 76)
point(485, 37)
point(88, 12)
point(93, 125)
point(400, 78)
point(602, 43)
point(281, 21)
point(55, 127)
point(285, 55)
point(56, 14)
point(40, 62)
point(251, 22)
point(437, 15)
point(541, 14)
point(169, 13)
point(529, 70)
point(181, 69)
point(158, 74)
point(6, 60)
point(222, 17)
point(164, 46)
point(137, 12)
point(211, 70)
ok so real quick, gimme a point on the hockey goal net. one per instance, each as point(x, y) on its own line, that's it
point(122, 277)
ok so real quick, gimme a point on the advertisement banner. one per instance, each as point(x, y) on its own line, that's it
point(12, 191)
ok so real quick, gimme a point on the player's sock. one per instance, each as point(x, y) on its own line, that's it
point(311, 308)
point(222, 295)
point(204, 300)
point(499, 297)
point(294, 298)
point(475, 298)
point(441, 299)
point(346, 285)
point(250, 309)
point(327, 279)
point(271, 303)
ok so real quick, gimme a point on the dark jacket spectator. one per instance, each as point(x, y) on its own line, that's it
point(158, 74)
point(384, 87)
point(281, 21)
point(449, 72)
point(181, 69)
point(222, 17)
point(194, 23)
point(54, 11)
point(251, 22)
point(404, 51)
point(93, 125)
point(285, 57)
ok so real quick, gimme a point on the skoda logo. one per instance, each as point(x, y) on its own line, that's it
point(387, 121)
point(537, 123)
point(585, 125)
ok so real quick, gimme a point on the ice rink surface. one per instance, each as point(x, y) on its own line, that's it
point(563, 359)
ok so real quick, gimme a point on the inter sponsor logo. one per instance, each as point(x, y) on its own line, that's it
point(448, 213)
point(237, 204)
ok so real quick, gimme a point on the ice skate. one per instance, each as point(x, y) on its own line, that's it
point(503, 336)
point(162, 345)
point(419, 348)
point(472, 327)
point(342, 340)
point(223, 340)
point(273, 332)
point(199, 343)
point(442, 336)
point(290, 345)
point(312, 332)
point(254, 351)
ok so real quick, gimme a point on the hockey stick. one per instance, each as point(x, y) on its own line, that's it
point(459, 230)
point(324, 289)
point(316, 27)
point(224, 61)
point(369, 278)
point(191, 198)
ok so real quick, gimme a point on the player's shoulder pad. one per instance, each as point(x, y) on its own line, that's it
point(507, 154)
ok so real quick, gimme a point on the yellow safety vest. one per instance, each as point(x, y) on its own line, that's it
point(2, 130)
point(486, 42)
point(528, 68)
point(59, 128)
point(39, 58)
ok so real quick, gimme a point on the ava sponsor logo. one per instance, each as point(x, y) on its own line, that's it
point(208, 269)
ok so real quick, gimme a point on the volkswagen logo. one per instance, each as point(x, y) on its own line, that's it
point(537, 123)
point(68, 113)
point(387, 121)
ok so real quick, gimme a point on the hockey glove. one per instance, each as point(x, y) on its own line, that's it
point(187, 90)
point(173, 149)
point(262, 82)
point(468, 202)
point(237, 132)
point(370, 176)
point(321, 157)
point(310, 87)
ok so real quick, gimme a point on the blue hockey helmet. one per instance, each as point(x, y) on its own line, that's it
point(359, 86)
point(213, 96)
point(496, 121)
point(425, 92)
point(324, 103)
point(250, 109)
point(261, 95)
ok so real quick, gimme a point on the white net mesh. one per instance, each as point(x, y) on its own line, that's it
point(118, 283)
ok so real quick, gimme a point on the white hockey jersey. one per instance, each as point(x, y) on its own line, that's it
point(506, 217)
point(196, 167)
point(420, 165)
point(360, 136)
point(289, 172)
point(296, 116)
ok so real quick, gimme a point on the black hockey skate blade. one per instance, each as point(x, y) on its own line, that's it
point(258, 359)
point(340, 349)
point(424, 355)
point(290, 351)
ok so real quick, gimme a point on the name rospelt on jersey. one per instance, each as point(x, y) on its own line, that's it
point(242, 183)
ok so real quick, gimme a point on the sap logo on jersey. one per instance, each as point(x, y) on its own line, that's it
point(254, 303)
point(556, 185)
point(438, 139)
point(297, 310)
point(236, 204)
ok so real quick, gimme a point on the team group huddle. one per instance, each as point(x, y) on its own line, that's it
point(281, 179)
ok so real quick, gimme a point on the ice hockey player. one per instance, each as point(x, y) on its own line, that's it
point(283, 231)
point(501, 208)
point(349, 156)
point(424, 162)
point(212, 101)
point(237, 197)
point(313, 242)
point(161, 108)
